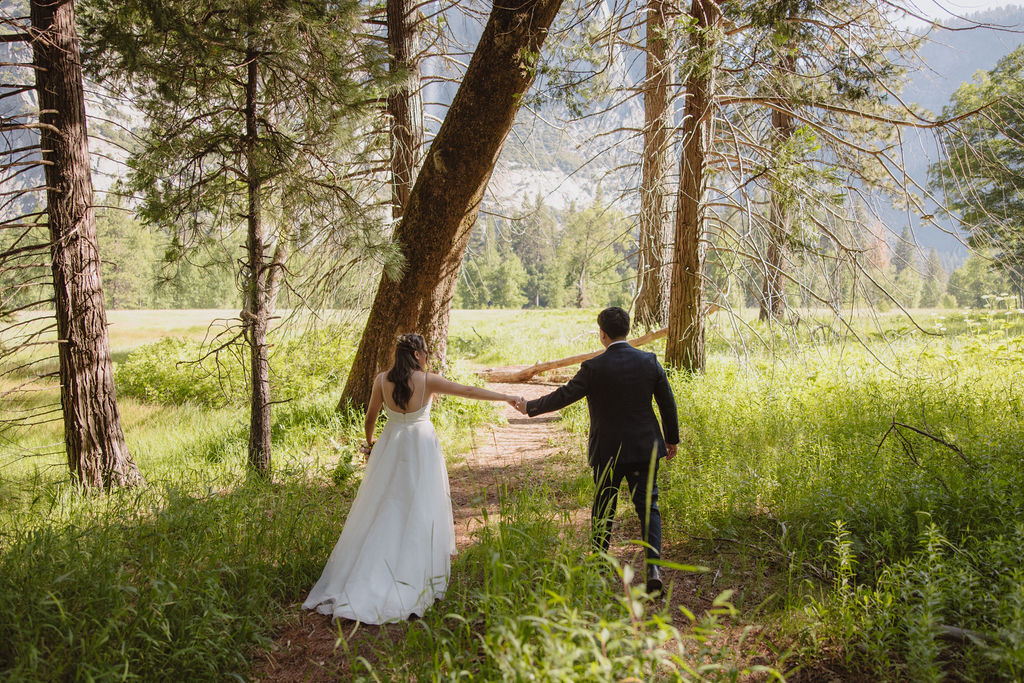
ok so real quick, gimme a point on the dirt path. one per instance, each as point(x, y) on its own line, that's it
point(510, 455)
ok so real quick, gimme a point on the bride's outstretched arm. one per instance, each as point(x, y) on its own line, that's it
point(439, 385)
point(373, 409)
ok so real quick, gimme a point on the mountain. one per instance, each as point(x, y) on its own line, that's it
point(547, 153)
point(952, 56)
point(545, 158)
point(110, 123)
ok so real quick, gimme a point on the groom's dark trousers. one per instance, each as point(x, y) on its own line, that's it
point(625, 439)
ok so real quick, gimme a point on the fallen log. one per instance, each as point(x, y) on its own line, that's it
point(526, 374)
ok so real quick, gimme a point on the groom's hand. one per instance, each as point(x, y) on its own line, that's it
point(671, 448)
point(521, 405)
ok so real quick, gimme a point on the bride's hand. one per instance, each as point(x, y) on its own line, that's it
point(365, 449)
point(517, 402)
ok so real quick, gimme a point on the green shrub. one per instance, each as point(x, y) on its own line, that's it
point(948, 606)
point(169, 371)
point(177, 370)
point(773, 457)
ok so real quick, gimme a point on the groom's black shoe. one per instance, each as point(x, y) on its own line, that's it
point(654, 582)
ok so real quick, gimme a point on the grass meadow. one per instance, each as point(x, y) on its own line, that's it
point(855, 493)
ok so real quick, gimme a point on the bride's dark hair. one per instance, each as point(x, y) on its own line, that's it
point(405, 363)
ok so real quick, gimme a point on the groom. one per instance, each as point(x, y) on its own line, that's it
point(625, 439)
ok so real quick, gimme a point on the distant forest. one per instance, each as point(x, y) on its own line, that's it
point(541, 258)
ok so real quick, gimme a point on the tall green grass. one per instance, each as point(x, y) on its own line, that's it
point(185, 576)
point(868, 550)
point(774, 452)
point(171, 583)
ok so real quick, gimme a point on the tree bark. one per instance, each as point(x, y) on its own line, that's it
point(405, 105)
point(773, 297)
point(684, 347)
point(97, 453)
point(445, 199)
point(650, 308)
point(256, 315)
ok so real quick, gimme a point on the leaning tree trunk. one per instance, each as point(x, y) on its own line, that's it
point(445, 199)
point(256, 315)
point(405, 104)
point(96, 449)
point(651, 303)
point(773, 297)
point(684, 347)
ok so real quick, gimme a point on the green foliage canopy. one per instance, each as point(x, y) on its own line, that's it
point(186, 65)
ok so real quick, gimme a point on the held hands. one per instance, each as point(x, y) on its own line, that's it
point(517, 402)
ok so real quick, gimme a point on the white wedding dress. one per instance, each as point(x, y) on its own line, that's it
point(393, 558)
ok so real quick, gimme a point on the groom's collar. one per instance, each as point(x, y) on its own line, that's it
point(618, 341)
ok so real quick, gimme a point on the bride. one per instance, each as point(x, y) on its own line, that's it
point(393, 558)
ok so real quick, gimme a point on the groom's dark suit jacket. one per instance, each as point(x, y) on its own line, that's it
point(619, 385)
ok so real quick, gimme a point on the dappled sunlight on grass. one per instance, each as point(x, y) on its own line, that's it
point(838, 545)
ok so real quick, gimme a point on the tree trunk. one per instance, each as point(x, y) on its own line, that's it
point(773, 298)
point(405, 105)
point(256, 316)
point(650, 306)
point(684, 347)
point(96, 449)
point(445, 199)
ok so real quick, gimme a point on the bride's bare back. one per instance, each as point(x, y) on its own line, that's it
point(423, 385)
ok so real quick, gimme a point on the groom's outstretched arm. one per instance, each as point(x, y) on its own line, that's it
point(574, 390)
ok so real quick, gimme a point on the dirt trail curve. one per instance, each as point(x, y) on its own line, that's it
point(511, 455)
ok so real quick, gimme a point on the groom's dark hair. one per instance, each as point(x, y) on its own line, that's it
point(614, 322)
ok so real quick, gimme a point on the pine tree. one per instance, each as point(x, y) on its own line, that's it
point(982, 175)
point(684, 347)
point(904, 255)
point(934, 280)
point(252, 112)
point(535, 241)
point(650, 305)
point(405, 102)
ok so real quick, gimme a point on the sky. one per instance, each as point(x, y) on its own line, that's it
point(943, 9)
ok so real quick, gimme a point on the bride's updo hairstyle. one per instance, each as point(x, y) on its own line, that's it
point(405, 363)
